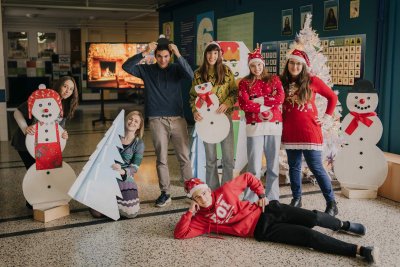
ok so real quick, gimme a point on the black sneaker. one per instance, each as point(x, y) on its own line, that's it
point(296, 202)
point(163, 200)
point(371, 254)
point(331, 208)
point(356, 228)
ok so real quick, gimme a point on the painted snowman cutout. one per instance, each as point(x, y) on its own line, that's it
point(214, 127)
point(47, 182)
point(360, 164)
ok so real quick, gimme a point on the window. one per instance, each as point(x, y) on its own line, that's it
point(17, 45)
point(46, 44)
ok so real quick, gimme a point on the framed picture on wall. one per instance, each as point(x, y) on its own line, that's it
point(17, 45)
point(287, 22)
point(354, 8)
point(304, 10)
point(331, 15)
point(168, 30)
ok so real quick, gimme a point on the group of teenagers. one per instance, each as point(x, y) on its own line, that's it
point(279, 111)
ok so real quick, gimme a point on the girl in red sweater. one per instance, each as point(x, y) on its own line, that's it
point(302, 133)
point(260, 97)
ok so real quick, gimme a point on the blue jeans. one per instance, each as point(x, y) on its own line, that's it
point(314, 162)
point(270, 145)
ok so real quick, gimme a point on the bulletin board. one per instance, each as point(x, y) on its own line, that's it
point(346, 57)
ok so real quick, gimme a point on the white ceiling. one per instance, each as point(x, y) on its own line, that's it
point(83, 13)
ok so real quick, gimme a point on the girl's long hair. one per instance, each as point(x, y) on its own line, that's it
point(218, 68)
point(70, 104)
point(265, 76)
point(140, 131)
point(302, 81)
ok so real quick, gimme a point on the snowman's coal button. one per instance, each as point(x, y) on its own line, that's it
point(47, 172)
point(368, 106)
point(47, 139)
point(42, 115)
point(361, 167)
point(361, 138)
point(208, 109)
point(46, 131)
point(49, 186)
point(211, 122)
point(50, 115)
point(361, 153)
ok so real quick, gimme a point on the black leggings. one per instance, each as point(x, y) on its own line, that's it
point(27, 159)
point(282, 223)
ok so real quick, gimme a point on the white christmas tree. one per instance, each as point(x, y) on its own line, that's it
point(308, 41)
point(96, 186)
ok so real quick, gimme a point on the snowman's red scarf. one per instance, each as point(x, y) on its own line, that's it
point(204, 97)
point(362, 117)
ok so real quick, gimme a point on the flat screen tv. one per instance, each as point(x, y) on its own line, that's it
point(104, 64)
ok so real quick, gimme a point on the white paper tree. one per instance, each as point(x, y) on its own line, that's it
point(96, 186)
point(308, 41)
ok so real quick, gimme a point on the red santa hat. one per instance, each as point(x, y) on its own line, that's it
point(255, 56)
point(194, 184)
point(42, 92)
point(213, 43)
point(299, 56)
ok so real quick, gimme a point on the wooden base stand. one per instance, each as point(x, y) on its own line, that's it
point(51, 214)
point(359, 193)
point(391, 187)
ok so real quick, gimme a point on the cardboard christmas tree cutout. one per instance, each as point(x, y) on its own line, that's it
point(96, 186)
point(46, 182)
point(360, 164)
point(214, 127)
point(307, 40)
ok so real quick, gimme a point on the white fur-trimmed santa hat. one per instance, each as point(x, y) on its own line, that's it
point(194, 184)
point(255, 56)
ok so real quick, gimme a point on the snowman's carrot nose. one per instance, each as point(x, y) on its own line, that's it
point(362, 101)
point(46, 110)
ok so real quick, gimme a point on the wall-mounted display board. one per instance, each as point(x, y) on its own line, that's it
point(346, 57)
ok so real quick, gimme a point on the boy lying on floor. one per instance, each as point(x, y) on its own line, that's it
point(221, 211)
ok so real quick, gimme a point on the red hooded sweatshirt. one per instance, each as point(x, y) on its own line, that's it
point(227, 214)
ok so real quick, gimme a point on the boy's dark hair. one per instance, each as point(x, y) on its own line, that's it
point(162, 47)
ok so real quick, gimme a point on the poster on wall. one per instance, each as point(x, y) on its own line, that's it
point(354, 8)
point(187, 46)
point(304, 10)
point(238, 27)
point(168, 30)
point(331, 15)
point(205, 33)
point(270, 51)
point(287, 22)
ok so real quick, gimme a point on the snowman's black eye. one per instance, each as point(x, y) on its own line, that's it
point(49, 103)
point(40, 105)
point(368, 97)
point(356, 97)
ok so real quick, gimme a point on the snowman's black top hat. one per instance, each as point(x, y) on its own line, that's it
point(363, 86)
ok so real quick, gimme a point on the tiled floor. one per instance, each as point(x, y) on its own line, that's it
point(80, 240)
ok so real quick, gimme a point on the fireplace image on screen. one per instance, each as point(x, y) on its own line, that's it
point(104, 65)
point(107, 69)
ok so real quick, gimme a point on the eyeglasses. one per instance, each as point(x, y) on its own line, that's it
point(298, 64)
